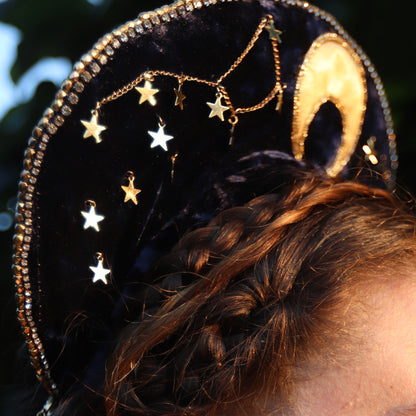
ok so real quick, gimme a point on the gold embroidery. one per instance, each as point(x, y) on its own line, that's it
point(331, 71)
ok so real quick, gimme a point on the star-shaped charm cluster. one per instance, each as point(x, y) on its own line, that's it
point(160, 138)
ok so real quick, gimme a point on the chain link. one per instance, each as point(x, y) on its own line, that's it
point(150, 75)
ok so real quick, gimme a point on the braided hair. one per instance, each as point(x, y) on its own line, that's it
point(239, 305)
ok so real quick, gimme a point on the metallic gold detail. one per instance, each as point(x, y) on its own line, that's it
point(66, 86)
point(57, 104)
point(179, 95)
point(150, 75)
point(217, 109)
point(173, 160)
point(279, 103)
point(333, 72)
point(233, 120)
point(92, 128)
point(130, 191)
point(374, 75)
point(43, 122)
point(74, 75)
point(147, 92)
point(273, 32)
point(369, 150)
point(48, 113)
point(36, 132)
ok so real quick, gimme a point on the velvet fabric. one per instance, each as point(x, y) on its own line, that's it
point(78, 321)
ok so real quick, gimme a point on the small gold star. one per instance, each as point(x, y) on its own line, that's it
point(217, 109)
point(180, 97)
point(100, 272)
point(92, 128)
point(147, 93)
point(131, 191)
point(273, 32)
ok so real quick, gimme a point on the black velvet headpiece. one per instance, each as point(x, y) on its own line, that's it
point(116, 172)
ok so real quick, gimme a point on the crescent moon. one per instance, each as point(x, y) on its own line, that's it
point(331, 71)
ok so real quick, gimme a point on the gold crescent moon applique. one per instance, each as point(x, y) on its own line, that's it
point(331, 71)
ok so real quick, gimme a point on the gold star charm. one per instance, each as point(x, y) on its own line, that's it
point(160, 138)
point(130, 190)
point(217, 109)
point(273, 32)
point(91, 218)
point(180, 96)
point(147, 93)
point(99, 271)
point(92, 128)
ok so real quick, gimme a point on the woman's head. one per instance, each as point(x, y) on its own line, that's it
point(267, 303)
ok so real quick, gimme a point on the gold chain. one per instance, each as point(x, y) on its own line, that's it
point(214, 84)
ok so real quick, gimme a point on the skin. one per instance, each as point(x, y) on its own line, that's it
point(380, 379)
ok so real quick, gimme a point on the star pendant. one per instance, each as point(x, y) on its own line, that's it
point(160, 138)
point(93, 129)
point(100, 272)
point(147, 93)
point(217, 109)
point(273, 32)
point(92, 219)
point(179, 97)
point(131, 191)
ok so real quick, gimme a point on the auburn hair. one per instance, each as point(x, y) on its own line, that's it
point(238, 306)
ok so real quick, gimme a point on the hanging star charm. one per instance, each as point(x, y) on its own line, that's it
point(92, 218)
point(92, 128)
point(131, 191)
point(273, 32)
point(147, 93)
point(100, 272)
point(160, 138)
point(179, 97)
point(217, 109)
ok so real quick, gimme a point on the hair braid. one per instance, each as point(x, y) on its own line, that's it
point(244, 298)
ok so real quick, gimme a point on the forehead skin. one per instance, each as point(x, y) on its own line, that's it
point(380, 380)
